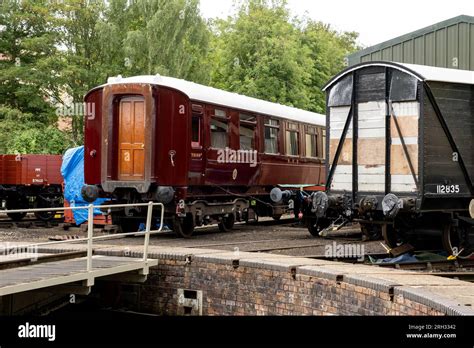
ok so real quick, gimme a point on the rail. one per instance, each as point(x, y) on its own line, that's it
point(90, 226)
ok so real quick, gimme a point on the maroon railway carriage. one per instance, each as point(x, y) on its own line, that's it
point(28, 181)
point(208, 155)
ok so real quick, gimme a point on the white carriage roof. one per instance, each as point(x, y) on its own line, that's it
point(421, 72)
point(216, 96)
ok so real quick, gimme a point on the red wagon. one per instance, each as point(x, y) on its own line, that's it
point(28, 181)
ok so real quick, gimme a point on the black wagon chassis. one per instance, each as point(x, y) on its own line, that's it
point(399, 154)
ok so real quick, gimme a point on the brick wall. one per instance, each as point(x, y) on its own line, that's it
point(244, 290)
point(267, 284)
point(257, 291)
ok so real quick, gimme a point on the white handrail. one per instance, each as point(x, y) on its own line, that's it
point(90, 226)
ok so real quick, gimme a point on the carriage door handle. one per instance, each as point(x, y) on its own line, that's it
point(172, 153)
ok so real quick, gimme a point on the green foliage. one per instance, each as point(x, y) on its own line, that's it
point(259, 53)
point(262, 52)
point(45, 140)
point(169, 38)
point(328, 49)
point(58, 50)
point(20, 133)
point(27, 42)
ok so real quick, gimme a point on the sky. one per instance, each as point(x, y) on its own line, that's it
point(375, 21)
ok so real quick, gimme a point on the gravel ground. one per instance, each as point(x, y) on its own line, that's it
point(267, 236)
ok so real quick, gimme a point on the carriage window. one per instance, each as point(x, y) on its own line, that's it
point(292, 140)
point(402, 86)
point(311, 138)
point(219, 138)
point(272, 128)
point(247, 131)
point(341, 92)
point(196, 131)
point(219, 113)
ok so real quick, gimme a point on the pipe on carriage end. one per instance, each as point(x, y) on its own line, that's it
point(277, 195)
point(392, 205)
point(90, 193)
point(164, 194)
point(368, 203)
point(320, 202)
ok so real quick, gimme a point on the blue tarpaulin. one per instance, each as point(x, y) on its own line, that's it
point(399, 259)
point(72, 170)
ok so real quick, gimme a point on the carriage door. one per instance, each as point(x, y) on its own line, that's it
point(197, 164)
point(131, 162)
point(371, 128)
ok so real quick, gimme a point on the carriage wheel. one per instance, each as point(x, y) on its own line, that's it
point(44, 215)
point(370, 232)
point(184, 227)
point(17, 203)
point(391, 236)
point(316, 226)
point(457, 241)
point(227, 223)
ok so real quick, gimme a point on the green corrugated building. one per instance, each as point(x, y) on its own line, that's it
point(448, 44)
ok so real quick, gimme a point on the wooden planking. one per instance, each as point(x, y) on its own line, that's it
point(408, 127)
point(406, 140)
point(371, 178)
point(371, 120)
point(402, 186)
point(341, 186)
point(371, 151)
point(403, 109)
point(370, 170)
point(342, 179)
point(371, 187)
point(402, 179)
point(372, 132)
point(132, 139)
point(371, 146)
point(346, 152)
point(337, 118)
point(399, 162)
point(407, 114)
point(371, 110)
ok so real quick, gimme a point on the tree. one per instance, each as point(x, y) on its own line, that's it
point(328, 50)
point(21, 133)
point(169, 38)
point(103, 39)
point(259, 52)
point(29, 77)
point(28, 71)
point(82, 68)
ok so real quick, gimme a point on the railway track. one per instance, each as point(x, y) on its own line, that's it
point(29, 222)
point(462, 269)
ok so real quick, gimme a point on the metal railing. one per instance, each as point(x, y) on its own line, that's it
point(90, 226)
